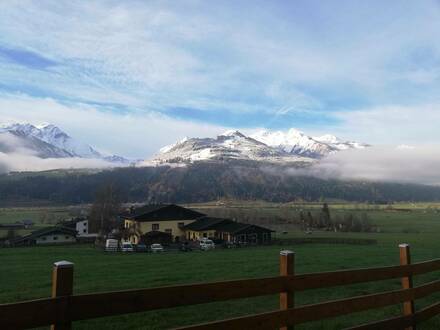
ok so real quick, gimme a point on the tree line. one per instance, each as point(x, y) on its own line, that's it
point(200, 183)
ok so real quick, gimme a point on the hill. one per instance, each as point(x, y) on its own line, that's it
point(201, 182)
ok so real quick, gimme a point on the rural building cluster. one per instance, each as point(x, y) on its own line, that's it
point(149, 224)
point(177, 223)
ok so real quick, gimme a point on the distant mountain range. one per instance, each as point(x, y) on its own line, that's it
point(48, 141)
point(231, 165)
point(292, 146)
point(288, 148)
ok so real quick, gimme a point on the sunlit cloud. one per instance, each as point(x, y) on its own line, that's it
point(379, 164)
point(320, 67)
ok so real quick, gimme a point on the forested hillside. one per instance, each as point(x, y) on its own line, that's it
point(201, 182)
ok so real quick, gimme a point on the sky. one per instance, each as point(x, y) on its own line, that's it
point(129, 77)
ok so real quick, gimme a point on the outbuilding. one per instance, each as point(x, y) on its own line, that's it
point(47, 236)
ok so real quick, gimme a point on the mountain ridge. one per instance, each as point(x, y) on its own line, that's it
point(268, 146)
point(48, 141)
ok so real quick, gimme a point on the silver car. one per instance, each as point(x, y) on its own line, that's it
point(156, 247)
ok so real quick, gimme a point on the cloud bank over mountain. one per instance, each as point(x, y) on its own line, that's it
point(393, 164)
point(23, 163)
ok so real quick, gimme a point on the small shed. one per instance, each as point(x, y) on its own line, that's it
point(27, 223)
point(47, 236)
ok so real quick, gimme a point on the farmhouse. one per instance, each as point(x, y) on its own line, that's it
point(81, 225)
point(227, 230)
point(50, 235)
point(175, 223)
point(170, 219)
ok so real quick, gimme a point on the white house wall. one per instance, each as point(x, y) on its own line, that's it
point(55, 239)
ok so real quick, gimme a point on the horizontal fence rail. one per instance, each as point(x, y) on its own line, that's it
point(63, 307)
point(307, 313)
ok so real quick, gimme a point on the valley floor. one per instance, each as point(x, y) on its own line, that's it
point(25, 272)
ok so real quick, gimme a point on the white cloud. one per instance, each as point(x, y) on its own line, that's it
point(22, 162)
point(135, 134)
point(408, 165)
point(391, 124)
point(210, 56)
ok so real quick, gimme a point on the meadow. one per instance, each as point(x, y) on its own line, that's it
point(25, 272)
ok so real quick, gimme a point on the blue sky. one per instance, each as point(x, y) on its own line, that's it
point(364, 70)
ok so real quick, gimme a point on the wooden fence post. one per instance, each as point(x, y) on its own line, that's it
point(62, 285)
point(407, 282)
point(287, 267)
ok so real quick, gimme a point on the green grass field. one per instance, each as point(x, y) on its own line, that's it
point(25, 272)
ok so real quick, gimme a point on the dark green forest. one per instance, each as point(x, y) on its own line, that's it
point(199, 183)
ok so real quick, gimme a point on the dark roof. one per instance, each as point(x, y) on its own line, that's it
point(206, 223)
point(12, 226)
point(224, 225)
point(161, 212)
point(233, 227)
point(46, 231)
point(72, 222)
point(246, 228)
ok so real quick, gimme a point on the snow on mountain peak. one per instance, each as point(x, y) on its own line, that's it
point(171, 146)
point(232, 133)
point(53, 136)
point(327, 138)
point(264, 145)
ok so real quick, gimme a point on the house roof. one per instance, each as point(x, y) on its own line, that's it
point(46, 231)
point(72, 222)
point(161, 212)
point(223, 225)
point(247, 228)
point(11, 226)
point(206, 223)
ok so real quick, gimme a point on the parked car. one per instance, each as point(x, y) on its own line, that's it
point(185, 247)
point(141, 248)
point(111, 245)
point(156, 247)
point(207, 244)
point(230, 245)
point(127, 247)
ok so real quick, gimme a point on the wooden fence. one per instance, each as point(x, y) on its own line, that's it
point(63, 307)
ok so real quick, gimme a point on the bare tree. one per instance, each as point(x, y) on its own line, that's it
point(105, 210)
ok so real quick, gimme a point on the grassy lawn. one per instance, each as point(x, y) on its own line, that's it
point(41, 216)
point(25, 272)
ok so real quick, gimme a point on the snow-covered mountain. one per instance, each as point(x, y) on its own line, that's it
point(265, 145)
point(229, 145)
point(48, 141)
point(297, 143)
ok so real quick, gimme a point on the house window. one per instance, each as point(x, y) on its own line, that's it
point(66, 237)
point(155, 226)
point(55, 238)
point(169, 231)
point(181, 224)
point(205, 235)
point(43, 238)
point(84, 230)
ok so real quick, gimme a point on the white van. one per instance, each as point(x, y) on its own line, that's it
point(127, 247)
point(206, 244)
point(111, 245)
